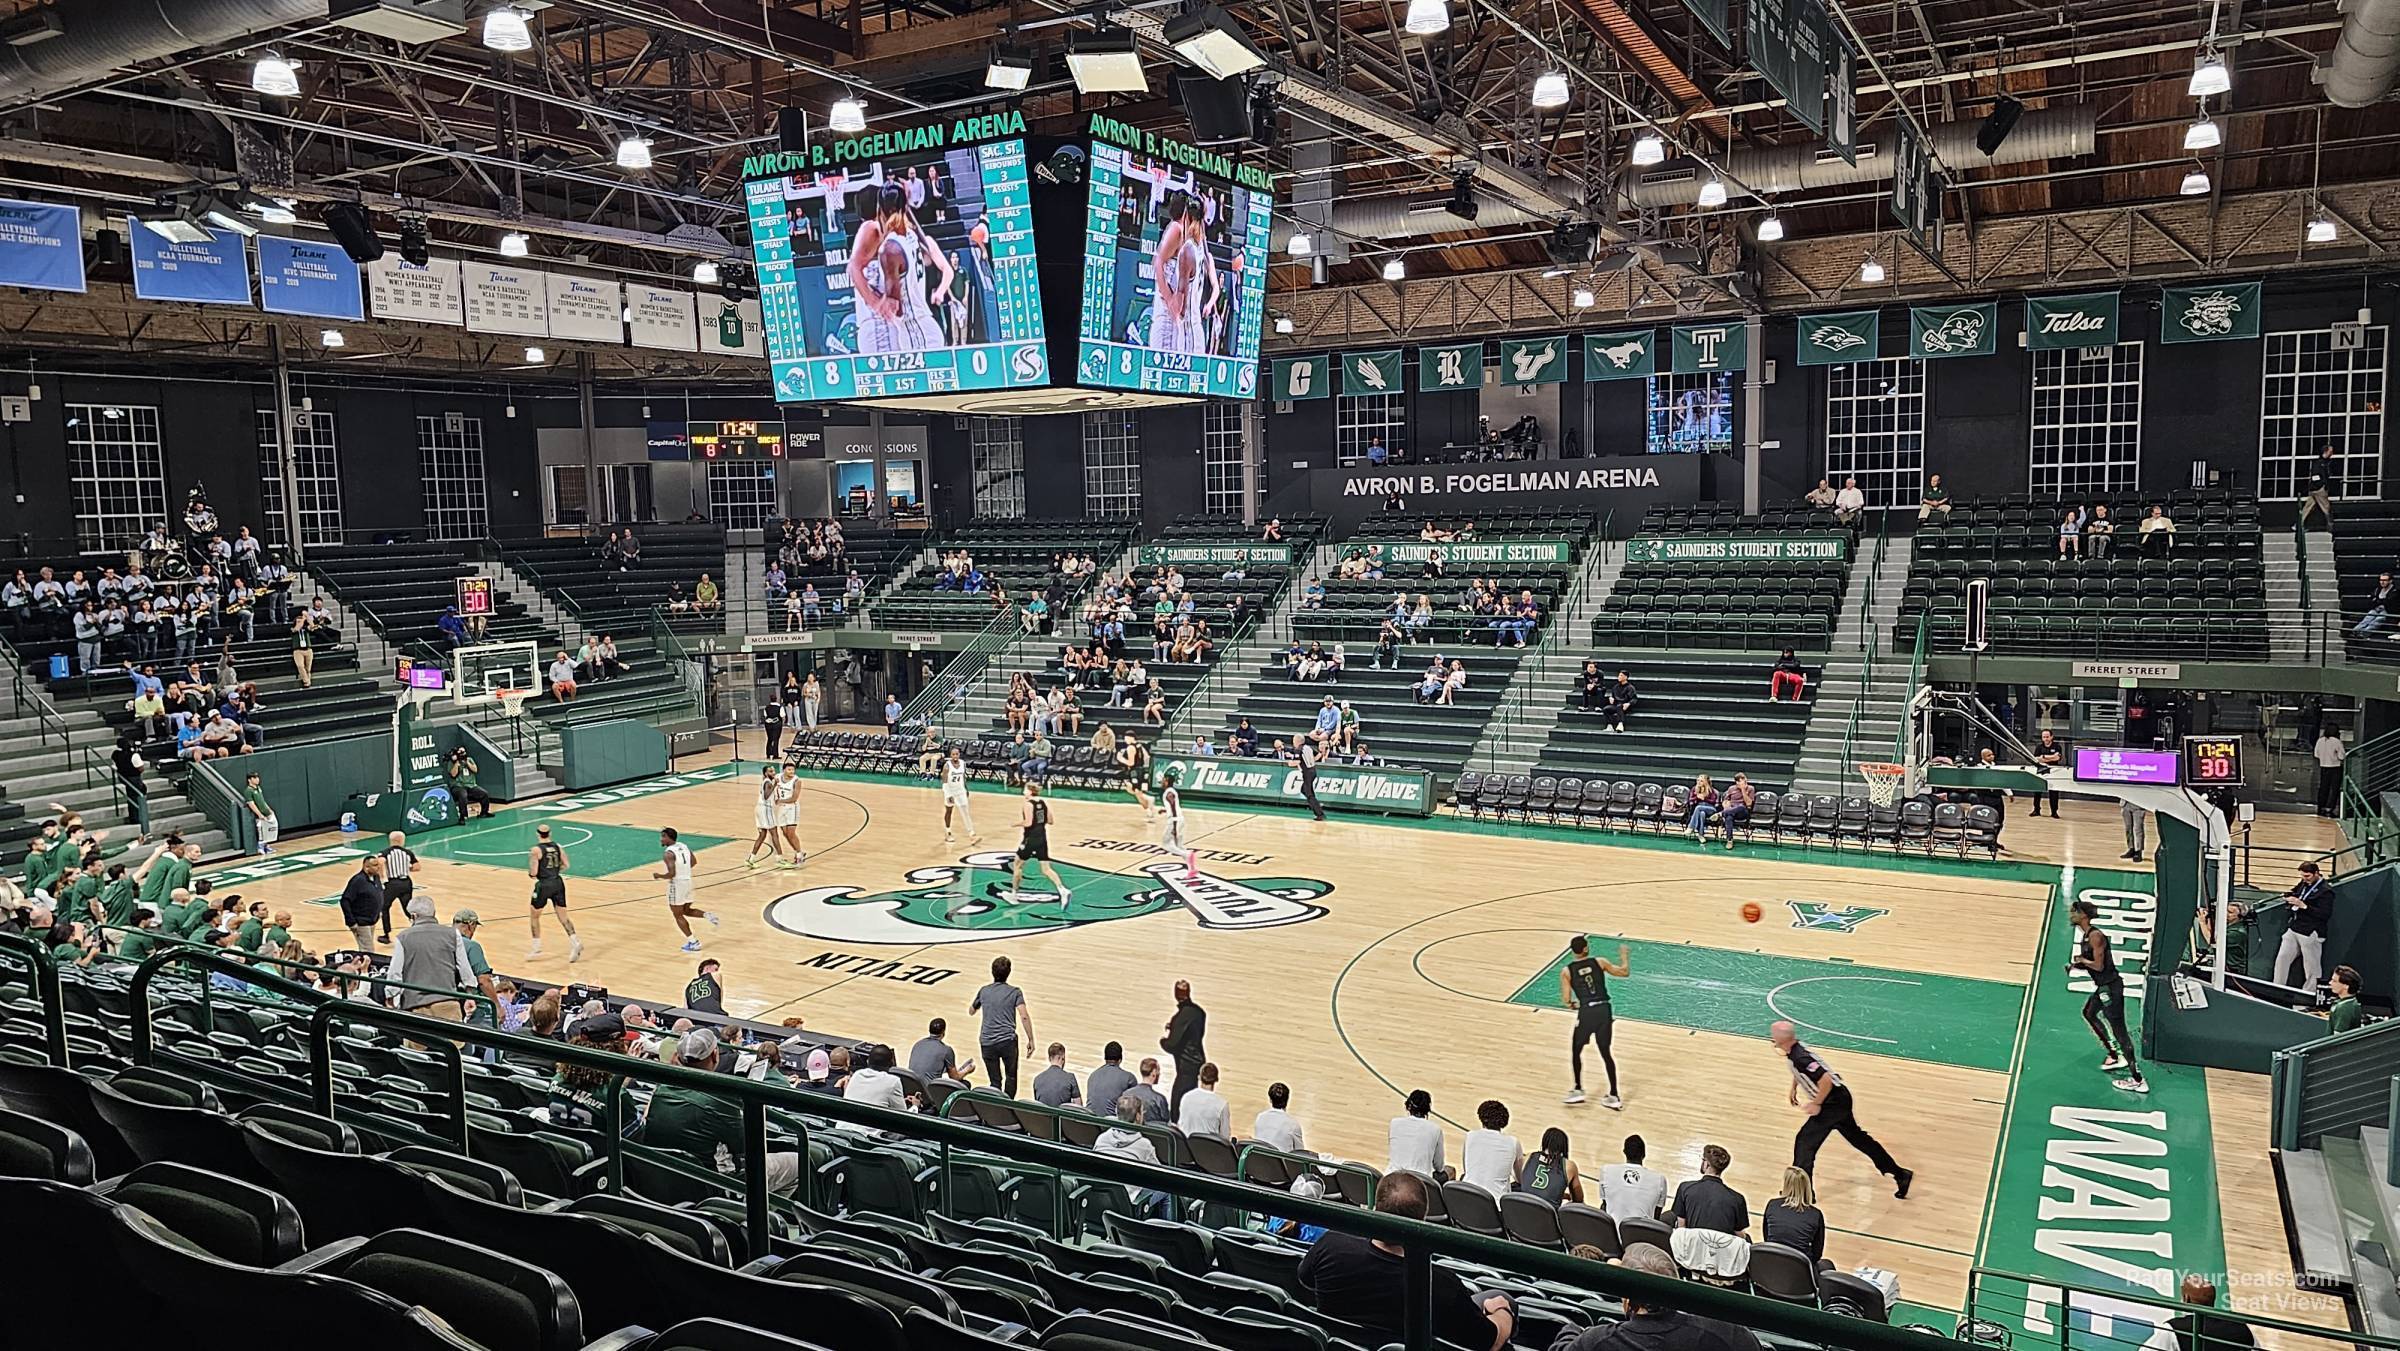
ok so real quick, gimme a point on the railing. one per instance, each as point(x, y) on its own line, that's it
point(1870, 643)
point(678, 657)
point(2038, 1314)
point(43, 967)
point(950, 684)
point(27, 696)
point(2371, 769)
point(2333, 1085)
point(1916, 681)
point(217, 801)
point(1419, 1242)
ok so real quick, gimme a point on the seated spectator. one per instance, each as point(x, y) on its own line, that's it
point(1706, 1202)
point(1154, 705)
point(605, 661)
point(1037, 758)
point(705, 598)
point(1122, 1142)
point(1345, 732)
point(1245, 739)
point(2070, 533)
point(1364, 1282)
point(220, 737)
point(1429, 685)
point(1273, 534)
point(2158, 533)
point(1734, 811)
point(699, 1124)
point(1790, 676)
point(1849, 504)
point(562, 677)
point(1822, 496)
point(1793, 1219)
point(1936, 499)
point(1631, 1189)
point(1549, 1174)
point(778, 582)
point(452, 626)
point(1617, 702)
point(1656, 1327)
point(1491, 1157)
point(1104, 740)
point(1387, 646)
point(1202, 746)
point(1035, 616)
point(1420, 619)
point(1455, 681)
point(1589, 685)
point(2099, 533)
point(1704, 806)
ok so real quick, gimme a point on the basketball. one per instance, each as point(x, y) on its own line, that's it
point(1751, 914)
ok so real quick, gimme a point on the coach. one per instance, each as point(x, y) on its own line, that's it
point(1183, 1043)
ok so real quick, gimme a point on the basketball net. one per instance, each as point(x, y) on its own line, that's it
point(1884, 782)
point(512, 702)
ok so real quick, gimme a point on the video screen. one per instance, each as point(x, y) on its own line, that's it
point(1174, 278)
point(1691, 414)
point(909, 274)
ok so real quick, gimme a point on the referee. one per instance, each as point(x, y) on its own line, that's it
point(1309, 750)
point(1829, 1110)
point(1583, 984)
point(398, 886)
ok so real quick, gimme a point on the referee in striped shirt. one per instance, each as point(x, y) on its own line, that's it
point(398, 859)
point(1829, 1110)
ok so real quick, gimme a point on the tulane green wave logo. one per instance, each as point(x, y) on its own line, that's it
point(971, 901)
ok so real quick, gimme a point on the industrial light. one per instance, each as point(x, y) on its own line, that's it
point(1770, 229)
point(1871, 271)
point(2209, 74)
point(705, 272)
point(2203, 134)
point(1582, 297)
point(847, 115)
point(1648, 148)
point(515, 244)
point(1299, 244)
point(1427, 17)
point(331, 337)
point(1105, 61)
point(1007, 68)
point(2195, 183)
point(1394, 269)
point(1712, 192)
point(1550, 90)
point(633, 153)
point(177, 228)
point(225, 217)
point(277, 211)
point(1212, 40)
point(504, 29)
point(2321, 229)
point(535, 356)
point(1283, 323)
point(275, 76)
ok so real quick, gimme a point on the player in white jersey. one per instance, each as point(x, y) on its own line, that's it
point(1175, 269)
point(954, 798)
point(887, 265)
point(677, 856)
point(1170, 835)
point(1201, 289)
point(787, 813)
point(767, 838)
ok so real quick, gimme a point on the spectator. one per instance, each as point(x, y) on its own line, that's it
point(1734, 811)
point(1704, 806)
point(931, 1058)
point(2345, 1015)
point(1276, 1127)
point(1632, 1189)
point(891, 714)
point(1789, 676)
point(1377, 455)
point(2158, 533)
point(2070, 533)
point(2379, 607)
point(465, 786)
point(2099, 533)
point(1655, 1327)
point(1122, 1142)
point(2329, 754)
point(1037, 758)
point(1706, 1202)
point(1849, 505)
point(1109, 1082)
point(1793, 1219)
point(2201, 1331)
point(1822, 496)
point(1364, 1282)
point(705, 597)
point(2324, 485)
point(262, 816)
point(562, 677)
point(1936, 498)
point(430, 953)
point(701, 1125)
point(453, 628)
point(2049, 753)
point(1491, 1157)
point(1155, 1107)
point(1245, 739)
point(1617, 702)
point(1203, 1110)
point(1549, 1174)
point(875, 1084)
point(1055, 1086)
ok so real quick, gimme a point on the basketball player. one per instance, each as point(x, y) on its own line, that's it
point(787, 813)
point(954, 798)
point(1202, 292)
point(1134, 759)
point(1173, 318)
point(2097, 959)
point(677, 856)
point(1829, 1109)
point(887, 279)
point(1583, 983)
point(1171, 835)
point(546, 863)
point(1034, 817)
point(765, 815)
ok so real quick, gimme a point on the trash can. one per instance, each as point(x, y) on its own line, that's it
point(59, 670)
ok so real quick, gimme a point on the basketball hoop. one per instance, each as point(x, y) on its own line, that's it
point(1884, 782)
point(512, 702)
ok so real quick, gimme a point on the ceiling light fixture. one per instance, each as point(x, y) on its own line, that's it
point(2210, 75)
point(277, 211)
point(1649, 148)
point(1871, 271)
point(177, 228)
point(505, 29)
point(274, 76)
point(1283, 323)
point(2195, 183)
point(535, 356)
point(1212, 40)
point(705, 272)
point(1583, 297)
point(2203, 134)
point(1550, 90)
point(515, 244)
point(225, 217)
point(1394, 269)
point(1712, 192)
point(1427, 17)
point(2321, 229)
point(1770, 229)
point(847, 115)
point(1009, 68)
point(331, 337)
point(1106, 61)
point(633, 153)
point(1299, 244)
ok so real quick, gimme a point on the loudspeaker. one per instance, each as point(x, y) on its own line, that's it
point(1996, 127)
point(353, 231)
point(791, 129)
point(1220, 109)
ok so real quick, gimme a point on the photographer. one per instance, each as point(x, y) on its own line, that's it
point(463, 787)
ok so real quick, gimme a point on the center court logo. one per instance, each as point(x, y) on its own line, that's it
point(1820, 916)
point(970, 902)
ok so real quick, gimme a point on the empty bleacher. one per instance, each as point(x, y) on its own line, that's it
point(620, 600)
point(1016, 555)
point(1923, 825)
point(1698, 713)
point(1744, 604)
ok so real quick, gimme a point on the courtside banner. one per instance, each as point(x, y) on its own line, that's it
point(1264, 554)
point(1472, 551)
point(1737, 548)
point(1368, 788)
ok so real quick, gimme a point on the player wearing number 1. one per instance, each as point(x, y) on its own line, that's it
point(677, 856)
point(546, 863)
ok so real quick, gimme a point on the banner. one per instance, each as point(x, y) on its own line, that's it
point(1593, 486)
point(1700, 348)
point(301, 276)
point(1270, 555)
point(1841, 107)
point(2071, 321)
point(1913, 190)
point(1628, 355)
point(1533, 361)
point(1786, 42)
point(215, 271)
point(41, 246)
point(730, 328)
point(1952, 330)
point(1713, 15)
point(1837, 339)
point(1456, 366)
point(1303, 378)
point(424, 295)
point(1370, 788)
point(500, 299)
point(1470, 551)
point(1371, 372)
point(584, 309)
point(661, 318)
point(2209, 313)
point(1737, 548)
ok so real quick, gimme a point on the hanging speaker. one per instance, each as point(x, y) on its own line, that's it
point(1220, 109)
point(791, 129)
point(353, 231)
point(1996, 127)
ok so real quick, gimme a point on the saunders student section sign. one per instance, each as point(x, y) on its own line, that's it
point(1623, 484)
point(1365, 788)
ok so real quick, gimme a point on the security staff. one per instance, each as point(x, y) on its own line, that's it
point(1829, 1110)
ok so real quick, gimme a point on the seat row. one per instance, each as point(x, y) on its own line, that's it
point(1921, 824)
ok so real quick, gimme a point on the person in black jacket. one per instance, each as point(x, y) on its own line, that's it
point(2311, 902)
point(2204, 1329)
point(363, 901)
point(1617, 701)
point(1655, 1327)
point(1591, 682)
point(1182, 1043)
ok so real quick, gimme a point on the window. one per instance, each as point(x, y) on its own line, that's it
point(1691, 413)
point(2318, 396)
point(2087, 420)
point(1224, 449)
point(1361, 419)
point(1875, 428)
point(120, 472)
point(316, 472)
point(741, 493)
point(1112, 465)
point(997, 449)
point(450, 459)
point(570, 494)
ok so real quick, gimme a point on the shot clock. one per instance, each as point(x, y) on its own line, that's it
point(2212, 761)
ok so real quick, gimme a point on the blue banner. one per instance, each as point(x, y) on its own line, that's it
point(304, 276)
point(215, 272)
point(41, 246)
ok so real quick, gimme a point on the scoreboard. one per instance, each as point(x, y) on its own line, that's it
point(1120, 344)
point(737, 440)
point(2212, 761)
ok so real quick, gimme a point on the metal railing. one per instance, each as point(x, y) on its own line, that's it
point(38, 962)
point(2333, 1085)
point(1870, 643)
point(2047, 1315)
point(27, 698)
point(950, 684)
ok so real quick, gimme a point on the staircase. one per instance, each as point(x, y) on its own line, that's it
point(1536, 696)
point(2345, 1218)
point(2287, 623)
point(1843, 684)
point(900, 578)
point(2322, 620)
point(517, 586)
point(1210, 707)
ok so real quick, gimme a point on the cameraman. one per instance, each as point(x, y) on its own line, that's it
point(463, 787)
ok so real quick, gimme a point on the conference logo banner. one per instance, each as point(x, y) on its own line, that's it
point(1271, 554)
point(41, 246)
point(1630, 355)
point(2071, 321)
point(1952, 330)
point(1838, 339)
point(1700, 348)
point(1303, 378)
point(1456, 366)
point(1473, 551)
point(1533, 361)
point(1371, 372)
point(1737, 548)
point(2209, 313)
point(1359, 787)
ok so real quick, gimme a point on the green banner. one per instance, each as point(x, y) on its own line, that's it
point(1368, 788)
point(2071, 321)
point(1786, 41)
point(1473, 551)
point(1303, 378)
point(1455, 366)
point(1736, 548)
point(2209, 313)
point(1716, 15)
point(1916, 194)
point(1271, 554)
point(1841, 106)
point(1712, 347)
point(1628, 355)
point(1952, 330)
point(1837, 339)
point(1533, 361)
point(1371, 372)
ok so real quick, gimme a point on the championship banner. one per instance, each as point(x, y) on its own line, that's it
point(2053, 322)
point(510, 300)
point(1786, 41)
point(41, 246)
point(1455, 366)
point(398, 289)
point(212, 271)
point(1700, 348)
point(300, 276)
point(1370, 788)
point(1533, 361)
point(1952, 330)
point(1715, 15)
point(1303, 378)
point(1371, 372)
point(586, 309)
point(661, 318)
point(2209, 313)
point(1838, 339)
point(1841, 106)
point(1629, 355)
point(1471, 551)
point(1737, 548)
point(1271, 555)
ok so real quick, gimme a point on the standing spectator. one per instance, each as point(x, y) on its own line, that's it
point(363, 903)
point(1491, 1156)
point(1632, 1189)
point(2330, 754)
point(1202, 1110)
point(1055, 1086)
point(1936, 499)
point(432, 954)
point(2049, 753)
point(1003, 1008)
point(891, 714)
point(1276, 1127)
point(1186, 1030)
point(1793, 1219)
point(2324, 485)
point(2135, 819)
point(1789, 677)
point(2311, 902)
point(1706, 1202)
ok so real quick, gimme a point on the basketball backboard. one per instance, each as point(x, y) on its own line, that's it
point(488, 670)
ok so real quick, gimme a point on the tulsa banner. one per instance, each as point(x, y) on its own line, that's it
point(1366, 788)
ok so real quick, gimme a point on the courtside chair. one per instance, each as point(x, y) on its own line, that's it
point(1852, 824)
point(1473, 1209)
point(1950, 827)
point(1643, 814)
point(1781, 1272)
point(1579, 1224)
point(1462, 793)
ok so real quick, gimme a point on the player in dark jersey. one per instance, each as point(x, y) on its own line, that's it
point(1583, 984)
point(2095, 958)
point(1829, 1109)
point(546, 864)
point(1035, 820)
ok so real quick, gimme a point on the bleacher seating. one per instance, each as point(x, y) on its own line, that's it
point(2366, 542)
point(1923, 824)
point(620, 600)
point(1738, 604)
point(1698, 714)
point(1016, 555)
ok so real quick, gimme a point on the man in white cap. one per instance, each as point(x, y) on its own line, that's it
point(704, 1126)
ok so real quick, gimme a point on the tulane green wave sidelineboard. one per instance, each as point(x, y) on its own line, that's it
point(1372, 788)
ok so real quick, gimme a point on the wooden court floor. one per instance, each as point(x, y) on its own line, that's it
point(1353, 961)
